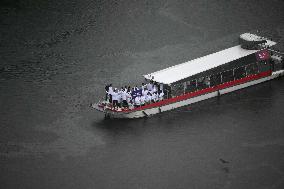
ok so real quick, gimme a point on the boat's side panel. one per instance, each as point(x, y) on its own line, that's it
point(223, 91)
point(175, 105)
point(155, 110)
point(244, 85)
point(254, 82)
point(135, 114)
point(188, 101)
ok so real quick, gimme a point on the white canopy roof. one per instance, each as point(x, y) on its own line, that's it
point(190, 68)
point(253, 37)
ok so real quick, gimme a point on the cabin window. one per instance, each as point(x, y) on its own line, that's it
point(201, 83)
point(207, 81)
point(167, 91)
point(191, 86)
point(184, 86)
point(276, 65)
point(252, 69)
point(240, 72)
point(215, 79)
point(263, 66)
point(187, 85)
point(227, 76)
point(177, 89)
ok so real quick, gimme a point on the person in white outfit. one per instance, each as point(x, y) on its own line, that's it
point(150, 86)
point(128, 97)
point(119, 100)
point(145, 92)
point(142, 100)
point(161, 95)
point(110, 91)
point(121, 94)
point(115, 97)
point(124, 99)
point(137, 101)
point(154, 97)
point(148, 98)
point(143, 86)
point(154, 89)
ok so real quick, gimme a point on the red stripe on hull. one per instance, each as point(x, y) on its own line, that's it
point(201, 92)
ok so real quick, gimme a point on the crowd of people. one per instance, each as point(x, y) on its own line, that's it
point(127, 97)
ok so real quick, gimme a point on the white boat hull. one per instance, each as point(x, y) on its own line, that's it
point(155, 110)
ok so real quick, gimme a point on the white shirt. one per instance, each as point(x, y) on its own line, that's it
point(130, 106)
point(128, 97)
point(123, 95)
point(154, 89)
point(142, 99)
point(144, 86)
point(115, 96)
point(161, 95)
point(150, 86)
point(119, 96)
point(137, 101)
point(145, 92)
point(154, 97)
point(148, 98)
point(110, 90)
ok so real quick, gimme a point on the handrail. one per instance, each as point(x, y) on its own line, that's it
point(275, 51)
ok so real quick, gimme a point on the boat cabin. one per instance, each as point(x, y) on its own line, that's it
point(215, 69)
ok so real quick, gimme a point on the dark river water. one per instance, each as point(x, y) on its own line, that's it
point(57, 56)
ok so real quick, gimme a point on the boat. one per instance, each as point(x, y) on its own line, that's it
point(251, 62)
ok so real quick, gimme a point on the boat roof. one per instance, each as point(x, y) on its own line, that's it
point(190, 68)
point(253, 37)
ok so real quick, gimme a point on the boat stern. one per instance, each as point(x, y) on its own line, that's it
point(98, 106)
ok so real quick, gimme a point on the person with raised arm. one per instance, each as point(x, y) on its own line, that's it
point(110, 91)
point(115, 97)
